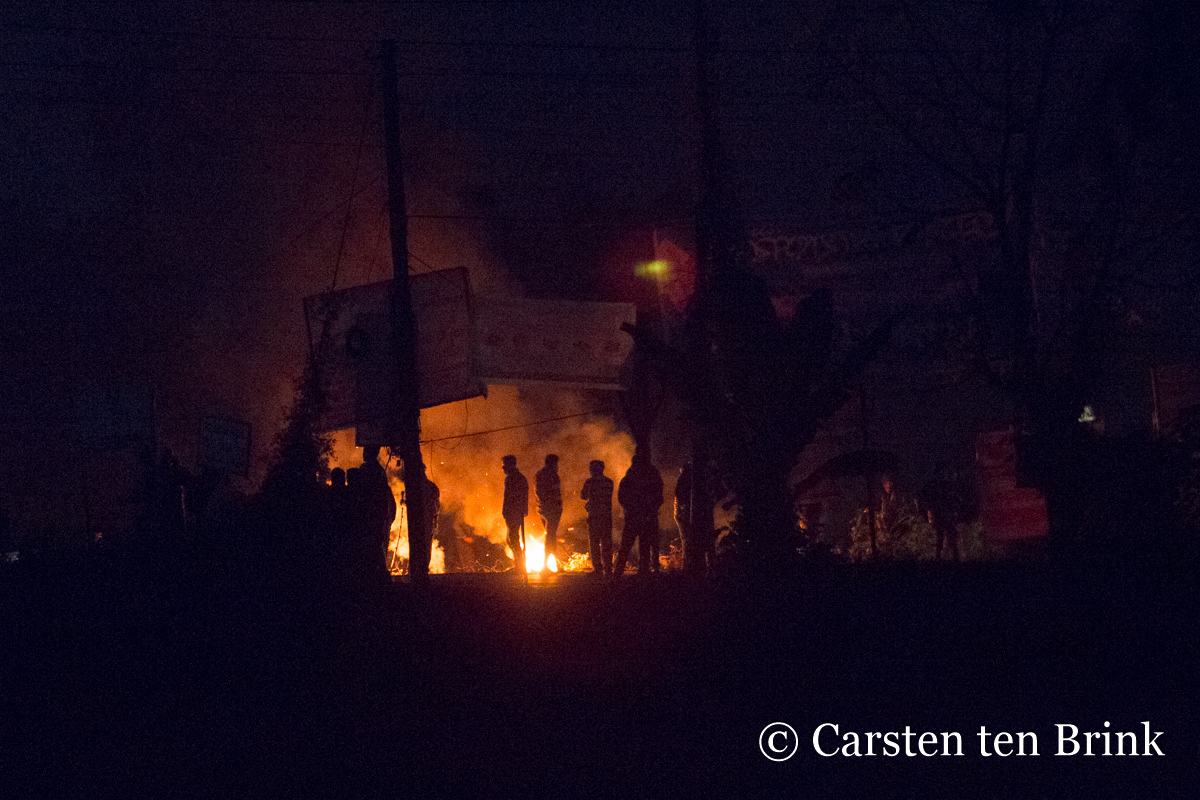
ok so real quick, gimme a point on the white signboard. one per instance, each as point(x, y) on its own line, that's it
point(552, 341)
point(463, 343)
point(351, 331)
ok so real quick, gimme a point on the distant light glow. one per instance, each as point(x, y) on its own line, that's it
point(1088, 415)
point(657, 269)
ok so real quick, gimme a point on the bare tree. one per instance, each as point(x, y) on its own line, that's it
point(1061, 125)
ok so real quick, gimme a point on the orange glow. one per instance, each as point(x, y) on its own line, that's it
point(535, 548)
point(578, 562)
point(468, 473)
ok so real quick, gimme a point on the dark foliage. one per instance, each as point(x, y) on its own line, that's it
point(290, 500)
point(759, 388)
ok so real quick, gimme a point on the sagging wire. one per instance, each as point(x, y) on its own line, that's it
point(508, 428)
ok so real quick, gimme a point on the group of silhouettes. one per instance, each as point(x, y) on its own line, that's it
point(362, 508)
point(640, 495)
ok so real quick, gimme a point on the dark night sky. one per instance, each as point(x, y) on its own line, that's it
point(177, 182)
point(177, 177)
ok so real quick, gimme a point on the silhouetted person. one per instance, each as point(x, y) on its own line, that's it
point(217, 506)
point(515, 509)
point(550, 505)
point(419, 551)
point(683, 514)
point(377, 509)
point(652, 537)
point(349, 530)
point(447, 539)
point(640, 495)
point(943, 508)
point(336, 510)
point(887, 503)
point(165, 482)
point(371, 469)
point(699, 546)
point(598, 492)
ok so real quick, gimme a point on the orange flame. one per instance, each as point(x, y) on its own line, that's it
point(467, 470)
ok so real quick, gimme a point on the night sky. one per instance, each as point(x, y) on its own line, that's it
point(177, 178)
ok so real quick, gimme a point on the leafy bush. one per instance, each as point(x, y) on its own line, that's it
point(909, 536)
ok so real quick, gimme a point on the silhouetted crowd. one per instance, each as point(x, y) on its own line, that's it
point(347, 526)
point(359, 512)
point(640, 495)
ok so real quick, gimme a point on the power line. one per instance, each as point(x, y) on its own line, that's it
point(476, 44)
point(100, 66)
point(556, 221)
point(428, 267)
point(350, 200)
point(508, 428)
point(327, 214)
point(181, 34)
point(808, 50)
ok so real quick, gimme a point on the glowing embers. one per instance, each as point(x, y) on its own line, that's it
point(468, 473)
point(578, 562)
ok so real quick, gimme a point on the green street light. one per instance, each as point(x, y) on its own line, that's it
point(657, 269)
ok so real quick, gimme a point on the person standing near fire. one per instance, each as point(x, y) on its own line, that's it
point(419, 551)
point(692, 557)
point(943, 509)
point(337, 512)
point(699, 543)
point(597, 494)
point(640, 495)
point(548, 488)
point(515, 509)
point(378, 509)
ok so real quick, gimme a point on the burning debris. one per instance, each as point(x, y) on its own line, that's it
point(464, 444)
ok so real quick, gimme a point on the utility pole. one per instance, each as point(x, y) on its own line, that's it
point(404, 426)
point(708, 241)
point(701, 507)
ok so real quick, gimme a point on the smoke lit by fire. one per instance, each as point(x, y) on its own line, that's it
point(467, 469)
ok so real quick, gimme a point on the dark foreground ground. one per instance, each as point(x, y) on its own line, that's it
point(128, 680)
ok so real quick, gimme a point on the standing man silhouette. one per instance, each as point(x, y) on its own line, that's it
point(943, 509)
point(683, 515)
point(641, 495)
point(515, 509)
point(378, 510)
point(598, 492)
point(550, 506)
point(420, 550)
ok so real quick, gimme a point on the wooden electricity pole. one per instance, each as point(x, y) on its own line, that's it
point(701, 506)
point(404, 425)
